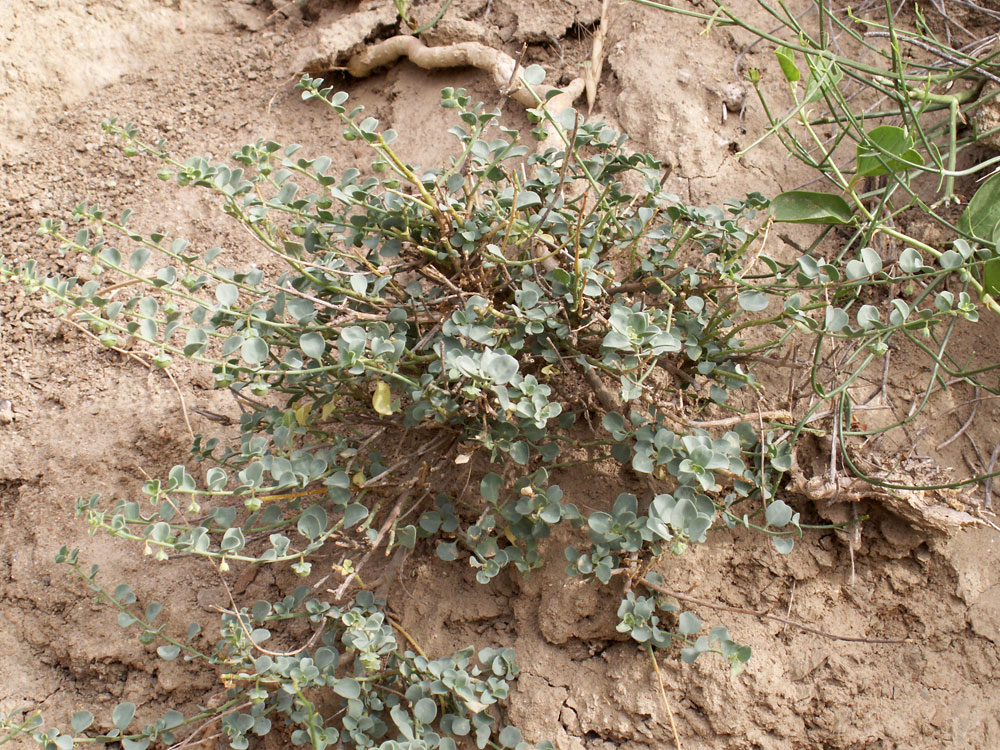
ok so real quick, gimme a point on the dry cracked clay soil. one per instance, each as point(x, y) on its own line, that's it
point(210, 75)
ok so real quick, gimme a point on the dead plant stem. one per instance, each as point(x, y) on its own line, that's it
point(768, 616)
point(663, 697)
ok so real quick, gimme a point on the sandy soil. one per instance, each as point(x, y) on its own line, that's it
point(210, 75)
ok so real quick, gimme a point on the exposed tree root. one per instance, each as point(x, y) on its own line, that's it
point(504, 69)
point(499, 65)
point(932, 512)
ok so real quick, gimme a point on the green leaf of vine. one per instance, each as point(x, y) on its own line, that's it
point(808, 207)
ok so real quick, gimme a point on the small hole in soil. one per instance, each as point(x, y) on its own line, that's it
point(582, 31)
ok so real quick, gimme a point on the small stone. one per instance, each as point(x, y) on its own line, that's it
point(6, 411)
point(734, 96)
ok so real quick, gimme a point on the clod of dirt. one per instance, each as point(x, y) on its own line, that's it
point(572, 609)
point(987, 117)
point(452, 30)
point(337, 37)
point(984, 615)
point(900, 535)
point(733, 96)
point(246, 15)
point(545, 22)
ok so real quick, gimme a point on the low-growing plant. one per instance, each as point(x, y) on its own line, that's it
point(883, 113)
point(18, 722)
point(511, 313)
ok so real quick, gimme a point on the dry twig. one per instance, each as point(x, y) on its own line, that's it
point(764, 615)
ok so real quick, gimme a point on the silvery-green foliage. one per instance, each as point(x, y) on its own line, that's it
point(460, 305)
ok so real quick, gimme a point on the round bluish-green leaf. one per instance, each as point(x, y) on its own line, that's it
point(688, 623)
point(425, 710)
point(354, 514)
point(614, 423)
point(81, 721)
point(778, 513)
point(867, 264)
point(533, 75)
point(899, 313)
point(195, 341)
point(498, 367)
point(172, 719)
point(233, 540)
point(254, 351)
point(698, 527)
point(260, 610)
point(643, 463)
point(300, 308)
point(950, 260)
point(347, 688)
point(359, 283)
point(125, 620)
point(312, 523)
point(312, 344)
point(510, 736)
point(520, 453)
point(227, 294)
point(871, 259)
point(784, 544)
point(526, 199)
point(122, 716)
point(138, 258)
point(168, 653)
point(808, 207)
point(868, 317)
point(836, 319)
point(231, 344)
point(216, 478)
point(600, 522)
point(910, 261)
point(489, 487)
point(406, 536)
point(753, 301)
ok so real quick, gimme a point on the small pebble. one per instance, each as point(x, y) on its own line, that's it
point(733, 96)
point(6, 411)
